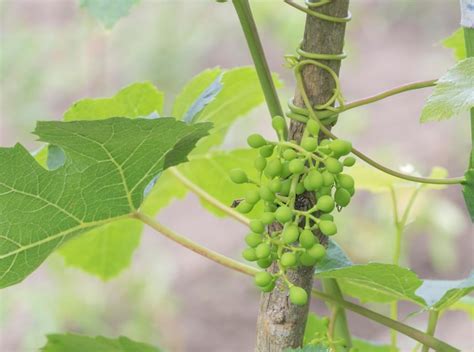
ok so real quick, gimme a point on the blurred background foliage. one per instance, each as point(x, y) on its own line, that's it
point(53, 53)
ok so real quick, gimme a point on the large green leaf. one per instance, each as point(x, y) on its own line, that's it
point(453, 94)
point(335, 258)
point(106, 11)
point(80, 343)
point(456, 42)
point(109, 163)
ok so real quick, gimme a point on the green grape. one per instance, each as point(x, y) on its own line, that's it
point(257, 226)
point(290, 234)
point(296, 166)
point(249, 254)
point(289, 154)
point(345, 181)
point(278, 124)
point(349, 161)
point(252, 196)
point(328, 179)
point(283, 214)
point(298, 296)
point(324, 191)
point(342, 197)
point(328, 227)
point(333, 165)
point(238, 176)
point(307, 260)
point(274, 168)
point(285, 173)
point(351, 191)
point(340, 147)
point(267, 151)
point(325, 203)
point(300, 188)
point(288, 259)
point(244, 207)
point(313, 181)
point(307, 239)
point(312, 127)
point(253, 239)
point(263, 250)
point(285, 187)
point(267, 218)
point(270, 207)
point(325, 143)
point(266, 194)
point(326, 217)
point(275, 185)
point(268, 288)
point(317, 251)
point(256, 140)
point(263, 278)
point(264, 263)
point(260, 163)
point(309, 143)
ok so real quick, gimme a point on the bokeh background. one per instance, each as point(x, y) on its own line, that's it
point(53, 53)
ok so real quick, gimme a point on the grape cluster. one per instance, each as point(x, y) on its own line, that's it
point(286, 170)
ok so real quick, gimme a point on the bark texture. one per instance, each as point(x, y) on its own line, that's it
point(281, 324)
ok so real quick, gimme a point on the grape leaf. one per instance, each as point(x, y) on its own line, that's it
point(109, 163)
point(80, 343)
point(453, 93)
point(468, 192)
point(108, 12)
point(335, 258)
point(360, 345)
point(456, 42)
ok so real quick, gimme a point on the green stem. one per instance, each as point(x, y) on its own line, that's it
point(432, 321)
point(249, 28)
point(208, 198)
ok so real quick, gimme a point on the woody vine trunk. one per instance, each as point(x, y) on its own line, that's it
point(281, 324)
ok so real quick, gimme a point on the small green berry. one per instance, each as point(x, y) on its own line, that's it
point(263, 278)
point(260, 163)
point(279, 124)
point(309, 144)
point(307, 239)
point(346, 181)
point(313, 181)
point(307, 260)
point(264, 263)
point(298, 296)
point(256, 140)
point(285, 187)
point(253, 239)
point(313, 127)
point(317, 251)
point(340, 147)
point(283, 214)
point(349, 161)
point(267, 218)
point(333, 165)
point(328, 179)
point(274, 168)
point(268, 288)
point(296, 166)
point(266, 194)
point(325, 203)
point(275, 185)
point(288, 259)
point(252, 196)
point(328, 227)
point(290, 234)
point(249, 254)
point(289, 154)
point(257, 226)
point(342, 197)
point(263, 250)
point(244, 207)
point(238, 176)
point(266, 151)
point(300, 188)
point(326, 217)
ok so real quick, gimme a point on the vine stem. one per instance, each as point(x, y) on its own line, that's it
point(208, 198)
point(432, 322)
point(248, 270)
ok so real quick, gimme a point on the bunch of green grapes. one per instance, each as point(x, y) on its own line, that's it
point(286, 170)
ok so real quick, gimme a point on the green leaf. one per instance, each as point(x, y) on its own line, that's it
point(79, 343)
point(316, 329)
point(360, 345)
point(105, 251)
point(453, 93)
point(456, 42)
point(335, 258)
point(136, 100)
point(106, 11)
point(109, 163)
point(309, 348)
point(468, 192)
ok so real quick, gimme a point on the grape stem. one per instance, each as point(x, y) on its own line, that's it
point(230, 263)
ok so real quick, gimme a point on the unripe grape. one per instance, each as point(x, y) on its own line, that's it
point(324, 191)
point(267, 218)
point(249, 254)
point(252, 196)
point(275, 185)
point(340, 147)
point(296, 166)
point(345, 181)
point(244, 207)
point(256, 140)
point(290, 234)
point(300, 188)
point(333, 165)
point(283, 214)
point(325, 143)
point(326, 217)
point(274, 168)
point(288, 259)
point(264, 263)
point(238, 176)
point(266, 194)
point(349, 161)
point(313, 181)
point(257, 226)
point(307, 260)
point(327, 227)
point(309, 143)
point(317, 251)
point(260, 163)
point(328, 179)
point(325, 203)
point(351, 191)
point(285, 187)
point(268, 288)
point(267, 151)
point(285, 173)
point(342, 197)
point(263, 250)
point(289, 154)
point(270, 207)
point(298, 296)
point(253, 239)
point(278, 124)
point(307, 239)
point(263, 278)
point(312, 127)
